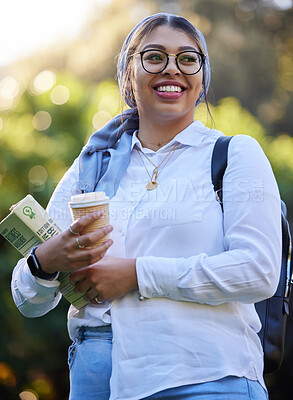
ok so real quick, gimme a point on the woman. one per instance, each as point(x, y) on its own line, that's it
point(177, 281)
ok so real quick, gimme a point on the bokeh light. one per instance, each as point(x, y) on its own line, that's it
point(243, 14)
point(7, 376)
point(271, 111)
point(109, 103)
point(286, 68)
point(247, 5)
point(283, 4)
point(43, 82)
point(43, 387)
point(9, 89)
point(28, 395)
point(100, 119)
point(56, 168)
point(42, 120)
point(38, 175)
point(17, 134)
point(60, 95)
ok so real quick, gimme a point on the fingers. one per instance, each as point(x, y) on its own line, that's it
point(74, 249)
point(90, 292)
point(97, 300)
point(89, 239)
point(79, 245)
point(93, 296)
point(84, 257)
point(85, 283)
point(88, 256)
point(83, 248)
point(83, 286)
point(78, 226)
point(72, 231)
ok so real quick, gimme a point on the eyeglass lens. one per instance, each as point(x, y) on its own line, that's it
point(155, 61)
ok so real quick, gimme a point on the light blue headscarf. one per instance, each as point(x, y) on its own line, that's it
point(105, 158)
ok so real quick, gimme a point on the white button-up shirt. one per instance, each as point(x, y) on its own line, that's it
point(199, 272)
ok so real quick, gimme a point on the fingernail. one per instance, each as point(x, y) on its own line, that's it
point(109, 228)
point(109, 242)
point(99, 213)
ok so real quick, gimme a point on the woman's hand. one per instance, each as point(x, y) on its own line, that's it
point(63, 252)
point(107, 279)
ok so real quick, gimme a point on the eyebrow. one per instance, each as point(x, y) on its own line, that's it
point(159, 46)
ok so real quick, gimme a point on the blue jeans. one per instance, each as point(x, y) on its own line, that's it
point(90, 367)
point(228, 388)
point(90, 364)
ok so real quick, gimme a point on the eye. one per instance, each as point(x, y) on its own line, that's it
point(188, 58)
point(154, 56)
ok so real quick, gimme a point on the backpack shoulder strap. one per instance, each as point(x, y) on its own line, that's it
point(219, 164)
point(273, 311)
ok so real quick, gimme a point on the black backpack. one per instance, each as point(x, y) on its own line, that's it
point(273, 311)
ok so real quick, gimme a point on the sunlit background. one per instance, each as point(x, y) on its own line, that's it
point(27, 26)
point(57, 85)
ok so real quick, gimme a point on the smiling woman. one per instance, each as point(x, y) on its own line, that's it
point(166, 95)
point(170, 311)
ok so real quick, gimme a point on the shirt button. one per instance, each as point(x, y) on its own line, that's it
point(133, 203)
point(122, 233)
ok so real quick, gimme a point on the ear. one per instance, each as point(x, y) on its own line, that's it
point(201, 95)
point(130, 99)
point(129, 94)
point(129, 87)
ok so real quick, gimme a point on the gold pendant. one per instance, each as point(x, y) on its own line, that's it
point(151, 185)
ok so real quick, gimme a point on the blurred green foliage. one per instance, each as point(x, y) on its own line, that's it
point(56, 101)
point(33, 159)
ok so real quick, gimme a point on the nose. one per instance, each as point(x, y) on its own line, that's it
point(171, 67)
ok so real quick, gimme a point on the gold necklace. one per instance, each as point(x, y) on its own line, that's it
point(153, 184)
point(152, 143)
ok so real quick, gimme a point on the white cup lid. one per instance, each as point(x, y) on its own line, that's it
point(88, 199)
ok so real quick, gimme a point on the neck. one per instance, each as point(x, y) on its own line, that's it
point(155, 134)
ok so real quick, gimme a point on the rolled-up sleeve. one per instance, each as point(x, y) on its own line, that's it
point(33, 296)
point(248, 270)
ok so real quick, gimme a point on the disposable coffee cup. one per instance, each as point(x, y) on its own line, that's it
point(85, 203)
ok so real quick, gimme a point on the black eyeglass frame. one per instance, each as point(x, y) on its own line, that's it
point(202, 55)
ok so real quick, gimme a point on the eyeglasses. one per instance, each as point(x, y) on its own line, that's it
point(155, 61)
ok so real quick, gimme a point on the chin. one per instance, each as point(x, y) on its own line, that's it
point(172, 111)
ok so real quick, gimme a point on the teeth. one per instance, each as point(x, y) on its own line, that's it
point(169, 89)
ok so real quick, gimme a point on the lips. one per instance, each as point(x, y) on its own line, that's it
point(169, 86)
point(169, 89)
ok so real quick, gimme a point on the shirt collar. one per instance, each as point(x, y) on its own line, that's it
point(193, 135)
